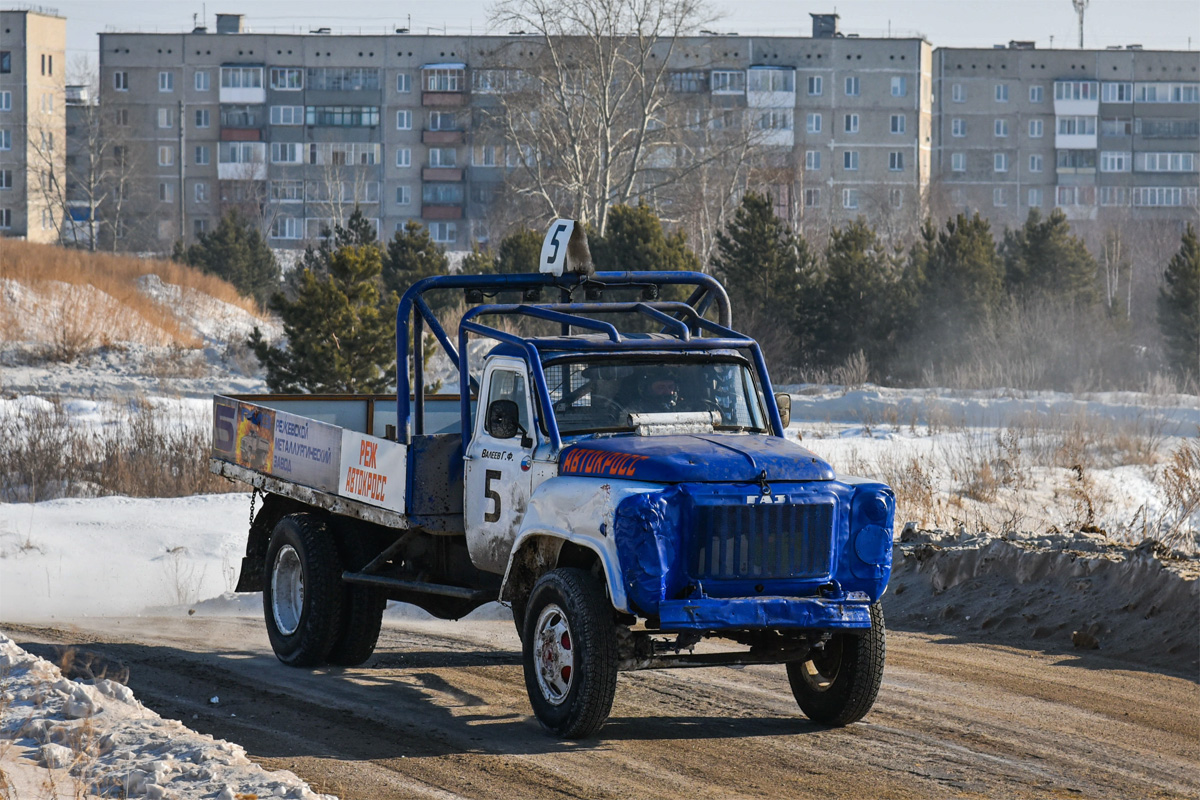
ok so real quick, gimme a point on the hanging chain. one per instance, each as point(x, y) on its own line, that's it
point(253, 497)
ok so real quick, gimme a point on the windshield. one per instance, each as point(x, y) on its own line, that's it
point(591, 395)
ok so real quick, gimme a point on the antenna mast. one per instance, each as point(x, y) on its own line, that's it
point(1080, 7)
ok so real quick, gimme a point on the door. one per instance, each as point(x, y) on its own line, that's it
point(498, 471)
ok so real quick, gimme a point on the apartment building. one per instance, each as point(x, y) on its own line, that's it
point(32, 127)
point(304, 127)
point(1100, 134)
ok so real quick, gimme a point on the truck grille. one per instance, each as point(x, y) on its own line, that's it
point(732, 542)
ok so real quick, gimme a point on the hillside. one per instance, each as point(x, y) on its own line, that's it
point(99, 325)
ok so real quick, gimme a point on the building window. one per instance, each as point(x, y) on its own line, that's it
point(896, 197)
point(200, 192)
point(1001, 128)
point(202, 118)
point(403, 157)
point(403, 83)
point(813, 123)
point(443, 157)
point(775, 120)
point(47, 103)
point(342, 116)
point(444, 80)
point(899, 86)
point(850, 160)
point(1076, 160)
point(1167, 93)
point(1075, 195)
point(1114, 196)
point(852, 87)
point(899, 123)
point(443, 121)
point(1077, 126)
point(403, 195)
point(287, 191)
point(287, 79)
point(121, 81)
point(958, 127)
point(1116, 92)
point(1001, 92)
point(851, 125)
point(6, 179)
point(998, 198)
point(443, 232)
point(166, 192)
point(850, 198)
point(1116, 127)
point(896, 161)
point(165, 118)
point(201, 155)
point(1036, 93)
point(816, 85)
point(771, 80)
point(166, 81)
point(1116, 162)
point(1076, 90)
point(1035, 163)
point(1166, 162)
point(5, 213)
point(5, 139)
point(5, 101)
point(202, 81)
point(241, 153)
point(958, 94)
point(287, 228)
point(404, 120)
point(48, 142)
point(812, 160)
point(1035, 129)
point(958, 162)
point(492, 81)
point(812, 198)
point(287, 115)
point(1035, 198)
point(1000, 162)
point(5, 62)
point(241, 77)
point(442, 193)
point(166, 156)
point(486, 155)
point(728, 82)
point(287, 153)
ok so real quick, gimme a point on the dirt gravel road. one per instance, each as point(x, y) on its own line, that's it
point(440, 711)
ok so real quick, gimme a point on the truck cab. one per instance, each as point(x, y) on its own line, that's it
point(620, 478)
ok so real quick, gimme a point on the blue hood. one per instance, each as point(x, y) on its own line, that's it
point(694, 458)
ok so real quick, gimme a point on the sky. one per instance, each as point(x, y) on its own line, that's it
point(1155, 24)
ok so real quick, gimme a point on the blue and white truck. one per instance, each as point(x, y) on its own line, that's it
point(619, 477)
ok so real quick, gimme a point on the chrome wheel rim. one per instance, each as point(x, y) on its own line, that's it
point(821, 670)
point(554, 654)
point(287, 590)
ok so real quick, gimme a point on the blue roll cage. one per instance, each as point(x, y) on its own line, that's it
point(683, 320)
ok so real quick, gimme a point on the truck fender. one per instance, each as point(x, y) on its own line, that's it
point(536, 552)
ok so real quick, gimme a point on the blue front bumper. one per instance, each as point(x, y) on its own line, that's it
point(735, 613)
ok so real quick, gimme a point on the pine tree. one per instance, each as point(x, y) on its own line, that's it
point(357, 231)
point(479, 261)
point(339, 329)
point(857, 296)
point(1179, 306)
point(519, 252)
point(237, 252)
point(635, 240)
point(1043, 259)
point(772, 280)
point(412, 255)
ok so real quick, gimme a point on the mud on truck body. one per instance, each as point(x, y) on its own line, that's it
point(627, 493)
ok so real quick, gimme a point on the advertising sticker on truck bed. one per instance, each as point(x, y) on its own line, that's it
point(255, 437)
point(306, 451)
point(373, 470)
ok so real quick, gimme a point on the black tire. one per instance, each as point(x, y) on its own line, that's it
point(518, 612)
point(591, 640)
point(362, 607)
point(838, 684)
point(311, 616)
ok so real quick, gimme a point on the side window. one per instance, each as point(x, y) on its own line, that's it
point(509, 385)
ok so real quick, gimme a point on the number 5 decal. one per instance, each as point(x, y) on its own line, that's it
point(557, 237)
point(492, 494)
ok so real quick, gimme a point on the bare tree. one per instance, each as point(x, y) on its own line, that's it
point(590, 124)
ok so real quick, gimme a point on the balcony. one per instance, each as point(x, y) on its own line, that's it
point(241, 135)
point(443, 99)
point(442, 174)
point(442, 137)
point(243, 95)
point(441, 212)
point(242, 171)
point(1075, 141)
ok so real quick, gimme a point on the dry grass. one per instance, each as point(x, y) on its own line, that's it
point(93, 299)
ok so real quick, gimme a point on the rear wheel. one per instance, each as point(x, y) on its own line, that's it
point(362, 606)
point(302, 590)
point(570, 653)
point(838, 684)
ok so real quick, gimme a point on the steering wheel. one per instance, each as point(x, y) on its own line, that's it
point(607, 405)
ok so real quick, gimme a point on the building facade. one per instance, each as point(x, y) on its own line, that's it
point(1097, 133)
point(301, 128)
point(32, 123)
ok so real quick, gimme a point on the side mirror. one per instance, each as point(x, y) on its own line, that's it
point(784, 402)
point(503, 419)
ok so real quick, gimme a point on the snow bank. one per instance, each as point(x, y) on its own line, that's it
point(65, 738)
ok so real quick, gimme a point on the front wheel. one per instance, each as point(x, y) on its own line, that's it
point(838, 684)
point(570, 653)
point(302, 590)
